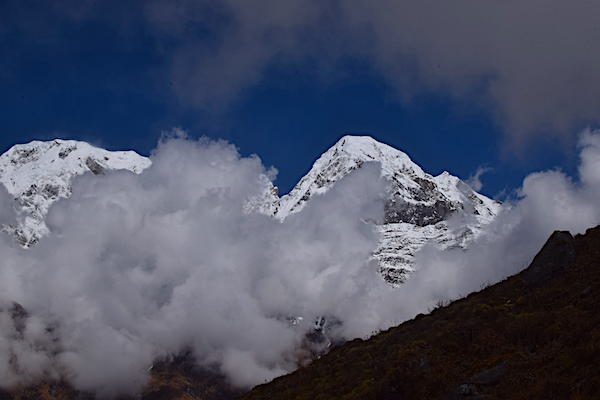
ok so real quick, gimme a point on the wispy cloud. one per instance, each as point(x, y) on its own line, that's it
point(475, 179)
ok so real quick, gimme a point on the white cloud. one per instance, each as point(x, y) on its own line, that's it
point(143, 267)
point(140, 267)
point(548, 201)
point(475, 180)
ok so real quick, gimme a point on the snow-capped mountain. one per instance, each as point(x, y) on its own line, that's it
point(420, 207)
point(40, 172)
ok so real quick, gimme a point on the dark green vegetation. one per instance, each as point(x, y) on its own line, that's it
point(535, 335)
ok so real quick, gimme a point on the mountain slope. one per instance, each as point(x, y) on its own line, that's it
point(535, 335)
point(419, 206)
point(39, 173)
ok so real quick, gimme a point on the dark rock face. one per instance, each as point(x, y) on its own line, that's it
point(51, 191)
point(431, 207)
point(19, 316)
point(25, 155)
point(476, 384)
point(553, 259)
point(467, 390)
point(397, 211)
point(490, 376)
point(65, 152)
point(94, 166)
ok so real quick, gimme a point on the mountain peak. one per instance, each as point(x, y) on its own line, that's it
point(358, 141)
point(417, 207)
point(367, 149)
point(347, 154)
point(40, 172)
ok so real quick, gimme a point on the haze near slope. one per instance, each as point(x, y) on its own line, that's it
point(532, 336)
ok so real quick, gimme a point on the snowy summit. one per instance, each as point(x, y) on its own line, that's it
point(418, 208)
point(39, 173)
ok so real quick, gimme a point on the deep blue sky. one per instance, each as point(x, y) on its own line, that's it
point(92, 81)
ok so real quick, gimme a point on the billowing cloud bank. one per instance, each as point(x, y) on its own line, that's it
point(140, 267)
point(143, 267)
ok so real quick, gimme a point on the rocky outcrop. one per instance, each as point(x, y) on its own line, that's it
point(552, 260)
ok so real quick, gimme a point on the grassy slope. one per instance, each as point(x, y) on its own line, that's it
point(515, 339)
